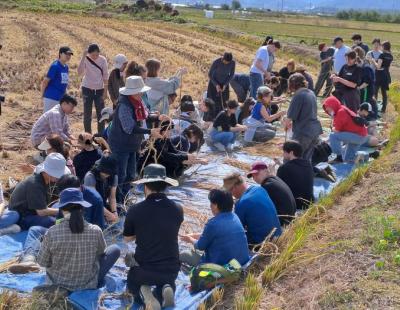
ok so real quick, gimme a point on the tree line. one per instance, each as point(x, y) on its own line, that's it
point(371, 16)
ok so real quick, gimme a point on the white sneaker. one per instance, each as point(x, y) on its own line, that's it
point(219, 146)
point(229, 147)
point(12, 229)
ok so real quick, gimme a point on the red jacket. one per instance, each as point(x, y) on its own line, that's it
point(343, 118)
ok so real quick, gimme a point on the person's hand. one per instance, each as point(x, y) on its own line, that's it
point(105, 95)
point(163, 117)
point(243, 127)
point(281, 113)
point(333, 75)
point(187, 238)
point(218, 88)
point(111, 217)
point(26, 168)
point(277, 161)
point(267, 75)
point(155, 133)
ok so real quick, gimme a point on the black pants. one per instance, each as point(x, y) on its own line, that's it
point(216, 97)
point(137, 276)
point(383, 89)
point(89, 96)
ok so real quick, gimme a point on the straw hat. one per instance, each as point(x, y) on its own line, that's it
point(134, 85)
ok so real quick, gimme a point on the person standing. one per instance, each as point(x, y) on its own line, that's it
point(262, 65)
point(127, 132)
point(326, 60)
point(357, 41)
point(383, 78)
point(348, 81)
point(221, 73)
point(116, 78)
point(373, 55)
point(94, 69)
point(339, 57)
point(56, 81)
point(302, 115)
point(154, 225)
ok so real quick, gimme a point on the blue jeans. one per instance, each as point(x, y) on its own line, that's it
point(36, 220)
point(8, 218)
point(126, 173)
point(351, 141)
point(223, 137)
point(256, 80)
point(107, 260)
point(33, 240)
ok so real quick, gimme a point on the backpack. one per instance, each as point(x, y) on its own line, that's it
point(321, 153)
point(208, 276)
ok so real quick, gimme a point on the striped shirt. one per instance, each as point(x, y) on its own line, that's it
point(72, 260)
point(52, 121)
point(93, 78)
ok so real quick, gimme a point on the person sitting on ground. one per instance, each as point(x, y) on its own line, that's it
point(8, 218)
point(154, 225)
point(104, 179)
point(302, 116)
point(259, 128)
point(225, 128)
point(106, 116)
point(207, 112)
point(298, 174)
point(89, 154)
point(185, 118)
point(346, 131)
point(245, 109)
point(223, 237)
point(310, 82)
point(278, 191)
point(56, 81)
point(348, 81)
point(31, 198)
point(166, 154)
point(93, 215)
point(74, 252)
point(364, 112)
point(221, 73)
point(285, 74)
point(254, 208)
point(240, 84)
point(116, 79)
point(160, 88)
point(326, 61)
point(357, 41)
point(190, 141)
point(52, 143)
point(54, 121)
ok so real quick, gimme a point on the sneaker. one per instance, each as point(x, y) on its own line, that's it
point(229, 147)
point(27, 264)
point(383, 143)
point(219, 146)
point(374, 154)
point(150, 302)
point(168, 296)
point(12, 229)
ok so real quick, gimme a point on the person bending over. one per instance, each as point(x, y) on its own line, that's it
point(223, 237)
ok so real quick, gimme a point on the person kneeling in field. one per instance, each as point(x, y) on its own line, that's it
point(258, 124)
point(225, 128)
point(190, 141)
point(154, 224)
point(254, 208)
point(278, 191)
point(223, 237)
point(74, 252)
point(347, 130)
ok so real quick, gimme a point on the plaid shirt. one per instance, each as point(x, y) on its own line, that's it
point(53, 121)
point(72, 260)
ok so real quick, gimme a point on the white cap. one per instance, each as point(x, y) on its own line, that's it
point(119, 60)
point(54, 165)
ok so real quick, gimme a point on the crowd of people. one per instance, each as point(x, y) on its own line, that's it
point(80, 182)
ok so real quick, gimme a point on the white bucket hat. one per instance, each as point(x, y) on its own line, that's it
point(134, 85)
point(54, 165)
point(119, 60)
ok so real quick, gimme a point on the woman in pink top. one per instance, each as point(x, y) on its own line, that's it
point(94, 69)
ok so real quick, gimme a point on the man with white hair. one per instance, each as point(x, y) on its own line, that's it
point(31, 197)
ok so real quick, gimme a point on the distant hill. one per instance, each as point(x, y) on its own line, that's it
point(305, 5)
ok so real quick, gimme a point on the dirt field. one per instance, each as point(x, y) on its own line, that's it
point(31, 41)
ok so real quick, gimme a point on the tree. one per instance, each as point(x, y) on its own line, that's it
point(225, 7)
point(236, 5)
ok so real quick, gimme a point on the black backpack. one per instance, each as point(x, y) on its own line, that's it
point(321, 154)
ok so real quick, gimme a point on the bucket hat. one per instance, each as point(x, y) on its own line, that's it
point(71, 196)
point(156, 173)
point(134, 85)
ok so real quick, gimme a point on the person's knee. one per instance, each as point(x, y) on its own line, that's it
point(373, 141)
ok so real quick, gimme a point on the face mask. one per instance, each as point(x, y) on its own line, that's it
point(332, 114)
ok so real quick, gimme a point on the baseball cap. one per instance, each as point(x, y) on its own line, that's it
point(106, 114)
point(366, 106)
point(65, 50)
point(256, 167)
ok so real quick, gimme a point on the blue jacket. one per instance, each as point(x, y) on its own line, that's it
point(223, 239)
point(258, 214)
